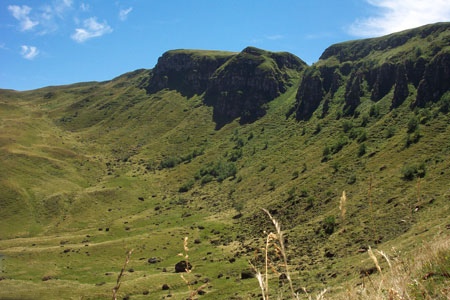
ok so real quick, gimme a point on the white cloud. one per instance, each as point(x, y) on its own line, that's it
point(21, 13)
point(29, 52)
point(91, 29)
point(123, 14)
point(61, 6)
point(397, 15)
point(84, 7)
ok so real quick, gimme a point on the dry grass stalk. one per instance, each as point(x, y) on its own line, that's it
point(119, 278)
point(405, 279)
point(374, 259)
point(369, 194)
point(192, 292)
point(279, 237)
point(342, 207)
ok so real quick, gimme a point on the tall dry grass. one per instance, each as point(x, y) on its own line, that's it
point(423, 274)
point(121, 274)
point(193, 291)
point(275, 240)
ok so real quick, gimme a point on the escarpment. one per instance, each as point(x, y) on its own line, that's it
point(248, 81)
point(412, 66)
point(414, 63)
point(236, 85)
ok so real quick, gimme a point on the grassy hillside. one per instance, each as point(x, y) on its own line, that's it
point(92, 170)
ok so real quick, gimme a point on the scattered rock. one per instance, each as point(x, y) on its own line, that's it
point(247, 274)
point(153, 260)
point(329, 254)
point(182, 266)
point(367, 271)
point(165, 287)
point(47, 278)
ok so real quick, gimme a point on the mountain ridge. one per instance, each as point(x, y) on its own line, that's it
point(150, 157)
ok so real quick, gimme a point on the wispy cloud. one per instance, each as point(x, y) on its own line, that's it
point(61, 6)
point(91, 29)
point(44, 17)
point(123, 13)
point(21, 13)
point(397, 15)
point(29, 52)
point(85, 7)
point(274, 37)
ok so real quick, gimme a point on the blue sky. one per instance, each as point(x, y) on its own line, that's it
point(55, 42)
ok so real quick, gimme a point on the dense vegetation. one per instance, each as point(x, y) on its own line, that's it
point(92, 170)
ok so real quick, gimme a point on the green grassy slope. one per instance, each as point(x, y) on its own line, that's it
point(92, 170)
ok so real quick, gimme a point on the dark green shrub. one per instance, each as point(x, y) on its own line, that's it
point(235, 155)
point(186, 187)
point(362, 136)
point(221, 170)
point(412, 139)
point(339, 144)
point(347, 125)
point(362, 150)
point(409, 172)
point(364, 120)
point(304, 193)
point(351, 179)
point(326, 153)
point(271, 185)
point(374, 111)
point(389, 132)
point(239, 143)
point(336, 166)
point(206, 179)
point(318, 128)
point(444, 103)
point(329, 224)
point(291, 193)
point(169, 162)
point(413, 124)
point(310, 201)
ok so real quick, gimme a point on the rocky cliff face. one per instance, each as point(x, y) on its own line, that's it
point(237, 85)
point(248, 81)
point(413, 62)
point(187, 71)
point(412, 66)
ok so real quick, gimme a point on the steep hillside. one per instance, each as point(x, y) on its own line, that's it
point(199, 145)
